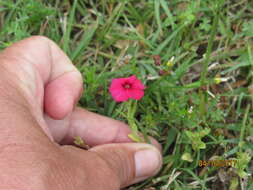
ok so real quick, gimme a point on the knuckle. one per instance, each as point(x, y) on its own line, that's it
point(41, 38)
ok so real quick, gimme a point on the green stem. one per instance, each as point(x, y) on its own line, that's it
point(243, 127)
point(209, 48)
point(207, 60)
point(131, 106)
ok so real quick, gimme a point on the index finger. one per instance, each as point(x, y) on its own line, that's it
point(47, 73)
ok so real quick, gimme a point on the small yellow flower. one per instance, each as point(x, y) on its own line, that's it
point(170, 63)
point(217, 80)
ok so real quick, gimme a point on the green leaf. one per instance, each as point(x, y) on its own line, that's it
point(80, 142)
point(248, 28)
point(164, 5)
point(187, 157)
point(196, 138)
point(87, 37)
point(243, 160)
point(71, 19)
point(134, 137)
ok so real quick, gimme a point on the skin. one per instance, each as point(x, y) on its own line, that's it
point(39, 89)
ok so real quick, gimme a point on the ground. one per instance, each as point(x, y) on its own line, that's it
point(195, 59)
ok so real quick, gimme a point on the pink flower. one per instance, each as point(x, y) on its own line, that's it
point(122, 89)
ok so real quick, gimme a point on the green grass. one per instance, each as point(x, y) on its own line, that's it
point(192, 115)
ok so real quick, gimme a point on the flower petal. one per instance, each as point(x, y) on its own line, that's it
point(132, 79)
point(136, 94)
point(119, 95)
point(117, 83)
point(138, 85)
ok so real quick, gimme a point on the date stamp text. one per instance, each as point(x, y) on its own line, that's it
point(217, 163)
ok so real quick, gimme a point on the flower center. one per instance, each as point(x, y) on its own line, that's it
point(127, 85)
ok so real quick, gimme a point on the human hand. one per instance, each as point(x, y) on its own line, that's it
point(39, 91)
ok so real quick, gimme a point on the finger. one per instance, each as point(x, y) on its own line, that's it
point(131, 162)
point(114, 166)
point(93, 128)
point(44, 64)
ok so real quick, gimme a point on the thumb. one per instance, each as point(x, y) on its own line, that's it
point(130, 162)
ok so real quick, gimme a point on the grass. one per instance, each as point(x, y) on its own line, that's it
point(199, 105)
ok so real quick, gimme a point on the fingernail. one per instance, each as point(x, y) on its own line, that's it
point(147, 162)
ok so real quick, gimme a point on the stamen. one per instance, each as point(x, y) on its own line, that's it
point(127, 86)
